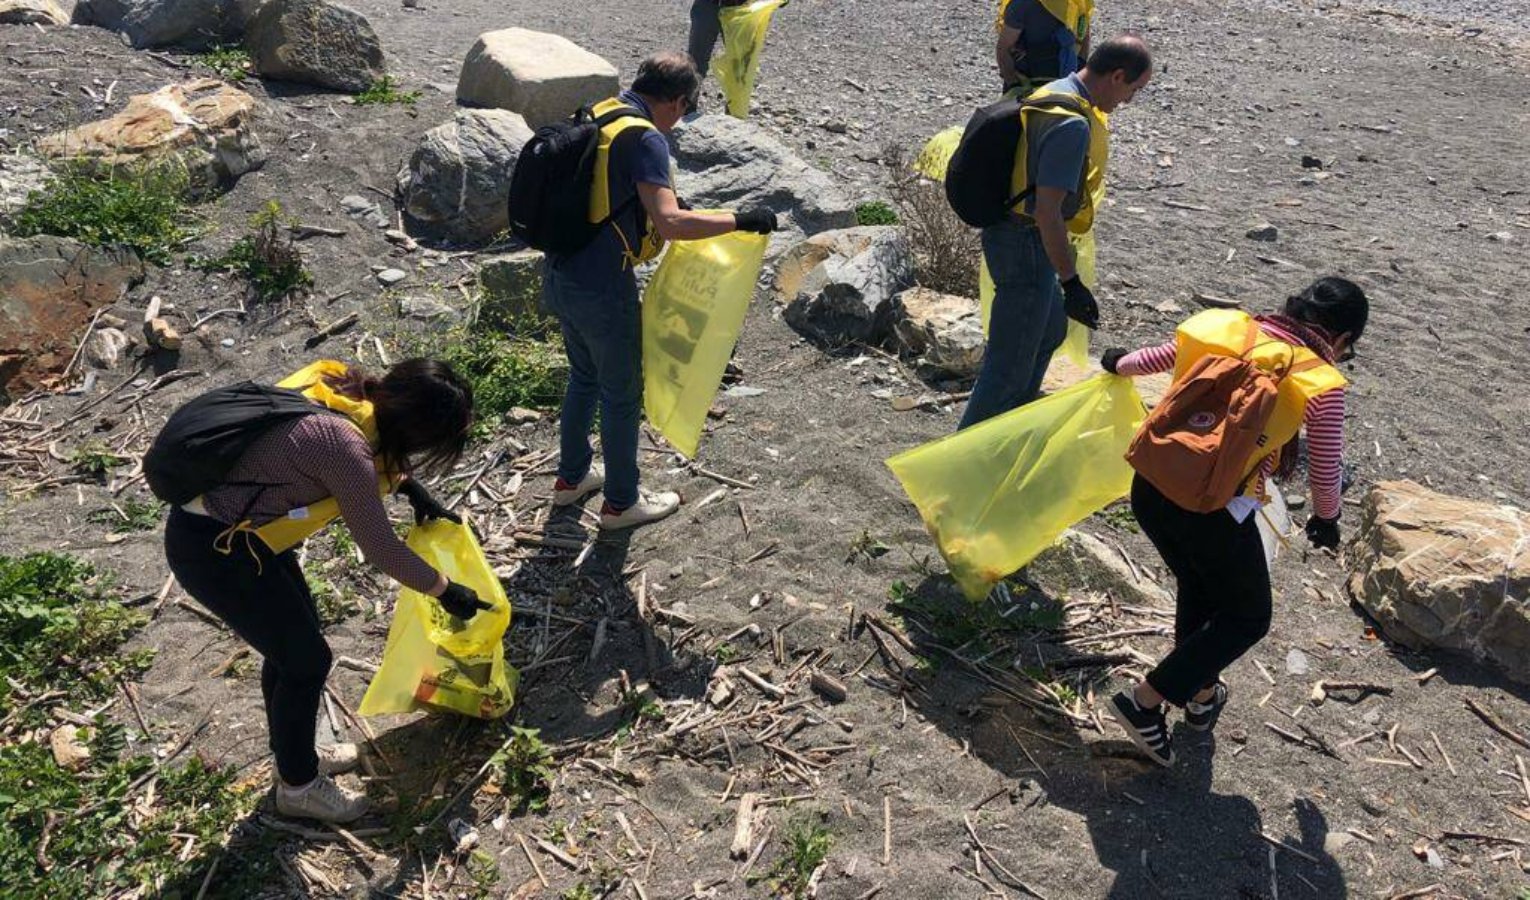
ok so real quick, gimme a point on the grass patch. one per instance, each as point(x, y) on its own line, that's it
point(506, 371)
point(129, 516)
point(385, 91)
point(267, 259)
point(94, 460)
point(1120, 517)
point(523, 768)
point(143, 210)
point(807, 846)
point(875, 212)
point(231, 63)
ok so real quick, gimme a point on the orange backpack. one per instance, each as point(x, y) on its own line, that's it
point(1198, 446)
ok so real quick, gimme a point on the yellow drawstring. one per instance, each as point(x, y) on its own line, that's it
point(224, 543)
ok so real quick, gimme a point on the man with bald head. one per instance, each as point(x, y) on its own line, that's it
point(1059, 172)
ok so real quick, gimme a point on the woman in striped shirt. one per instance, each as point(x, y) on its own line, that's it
point(1223, 604)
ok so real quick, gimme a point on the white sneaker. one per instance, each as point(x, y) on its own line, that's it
point(593, 480)
point(338, 759)
point(651, 507)
point(323, 800)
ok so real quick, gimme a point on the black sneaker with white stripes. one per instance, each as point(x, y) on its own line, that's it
point(1203, 716)
point(1147, 728)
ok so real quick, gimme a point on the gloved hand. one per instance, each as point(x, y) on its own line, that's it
point(757, 219)
point(1323, 533)
point(425, 506)
point(461, 601)
point(1079, 304)
point(1110, 358)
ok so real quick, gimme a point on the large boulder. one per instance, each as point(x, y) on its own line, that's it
point(32, 12)
point(544, 77)
point(943, 329)
point(728, 162)
point(314, 42)
point(192, 24)
point(1446, 572)
point(200, 128)
point(510, 287)
point(847, 297)
point(50, 288)
point(1081, 562)
point(457, 182)
point(21, 175)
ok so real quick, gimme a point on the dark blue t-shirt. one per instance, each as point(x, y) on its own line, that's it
point(1037, 53)
point(640, 156)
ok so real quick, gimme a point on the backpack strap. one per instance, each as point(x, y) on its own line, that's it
point(1070, 102)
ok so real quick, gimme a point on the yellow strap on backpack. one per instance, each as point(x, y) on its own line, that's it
point(995, 495)
point(743, 34)
point(693, 311)
point(434, 660)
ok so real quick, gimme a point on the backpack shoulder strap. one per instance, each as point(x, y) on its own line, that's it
point(621, 112)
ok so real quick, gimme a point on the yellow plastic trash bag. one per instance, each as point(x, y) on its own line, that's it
point(693, 311)
point(743, 34)
point(434, 660)
point(995, 495)
point(935, 158)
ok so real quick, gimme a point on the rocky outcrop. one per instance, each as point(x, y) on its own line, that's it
point(21, 175)
point(511, 289)
point(1079, 561)
point(944, 330)
point(50, 287)
point(457, 182)
point(727, 162)
point(314, 42)
point(1444, 572)
point(200, 129)
point(847, 295)
point(32, 12)
point(543, 77)
point(191, 24)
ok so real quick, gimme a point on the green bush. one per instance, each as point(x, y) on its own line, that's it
point(231, 63)
point(267, 259)
point(143, 210)
point(875, 213)
point(507, 371)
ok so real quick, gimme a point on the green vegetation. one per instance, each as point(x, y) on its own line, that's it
point(506, 371)
point(385, 90)
point(100, 831)
point(1120, 517)
point(335, 604)
point(523, 767)
point(231, 63)
point(94, 459)
point(876, 212)
point(956, 624)
point(129, 515)
point(142, 210)
point(267, 259)
point(867, 547)
point(726, 653)
point(807, 846)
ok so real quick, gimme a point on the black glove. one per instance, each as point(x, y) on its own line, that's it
point(757, 219)
point(425, 506)
point(1110, 358)
point(1323, 533)
point(461, 601)
point(1078, 303)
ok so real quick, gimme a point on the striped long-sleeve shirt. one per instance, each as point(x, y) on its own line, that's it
point(1323, 421)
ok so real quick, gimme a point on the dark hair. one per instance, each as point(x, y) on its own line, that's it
point(424, 413)
point(1125, 53)
point(1336, 305)
point(667, 76)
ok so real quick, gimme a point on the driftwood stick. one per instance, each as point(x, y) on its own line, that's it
point(1496, 724)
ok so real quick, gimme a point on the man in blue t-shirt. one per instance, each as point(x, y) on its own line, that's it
point(1034, 47)
point(594, 294)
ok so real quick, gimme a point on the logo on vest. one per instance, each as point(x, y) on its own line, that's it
point(1202, 421)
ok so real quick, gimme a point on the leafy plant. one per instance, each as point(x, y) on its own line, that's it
point(1120, 517)
point(867, 547)
point(506, 371)
point(875, 212)
point(725, 653)
point(130, 515)
point(335, 604)
point(385, 90)
point(231, 63)
point(524, 770)
point(94, 459)
point(580, 891)
point(807, 846)
point(142, 210)
point(267, 259)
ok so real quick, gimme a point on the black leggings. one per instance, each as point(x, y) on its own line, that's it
point(265, 599)
point(1223, 605)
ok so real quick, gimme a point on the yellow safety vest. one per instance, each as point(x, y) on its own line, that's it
point(1228, 332)
point(1036, 122)
point(287, 531)
point(1076, 16)
point(649, 243)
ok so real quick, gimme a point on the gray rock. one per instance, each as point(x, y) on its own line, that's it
point(946, 330)
point(457, 182)
point(1264, 231)
point(848, 296)
point(191, 24)
point(730, 163)
point(543, 77)
point(1296, 662)
point(314, 42)
point(20, 175)
point(425, 308)
point(105, 347)
point(1082, 562)
point(511, 286)
point(1444, 572)
point(32, 12)
point(390, 277)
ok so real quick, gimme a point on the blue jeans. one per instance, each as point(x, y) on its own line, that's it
point(603, 339)
point(1027, 323)
point(706, 28)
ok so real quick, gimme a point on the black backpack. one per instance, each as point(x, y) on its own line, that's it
point(203, 440)
point(550, 188)
point(977, 179)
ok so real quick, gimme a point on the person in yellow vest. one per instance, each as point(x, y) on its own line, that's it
point(1041, 41)
point(233, 547)
point(1059, 170)
point(1223, 603)
point(594, 292)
